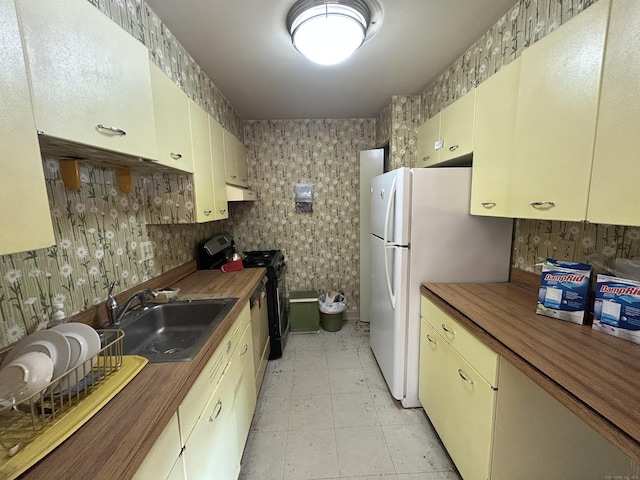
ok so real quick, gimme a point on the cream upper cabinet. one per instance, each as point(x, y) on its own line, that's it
point(220, 204)
point(428, 135)
point(556, 119)
point(493, 144)
point(208, 169)
point(235, 160)
point(26, 225)
point(456, 128)
point(202, 167)
point(90, 80)
point(171, 108)
point(449, 134)
point(615, 194)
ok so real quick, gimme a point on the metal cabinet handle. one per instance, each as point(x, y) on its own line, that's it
point(229, 344)
point(117, 130)
point(223, 210)
point(234, 176)
point(488, 204)
point(464, 377)
point(176, 156)
point(431, 339)
point(207, 212)
point(447, 329)
point(218, 407)
point(453, 147)
point(245, 349)
point(542, 205)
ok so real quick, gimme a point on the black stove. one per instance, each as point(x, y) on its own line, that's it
point(218, 250)
point(273, 261)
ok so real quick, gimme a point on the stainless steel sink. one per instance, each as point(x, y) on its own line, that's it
point(173, 332)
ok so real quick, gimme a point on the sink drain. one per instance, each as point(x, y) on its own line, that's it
point(173, 350)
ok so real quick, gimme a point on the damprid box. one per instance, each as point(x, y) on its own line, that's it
point(564, 290)
point(616, 310)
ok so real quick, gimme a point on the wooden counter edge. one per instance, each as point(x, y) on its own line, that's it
point(627, 444)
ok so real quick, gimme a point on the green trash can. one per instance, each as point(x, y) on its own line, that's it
point(303, 312)
point(330, 320)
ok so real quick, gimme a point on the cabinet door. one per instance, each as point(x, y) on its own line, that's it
point(243, 167)
point(26, 225)
point(556, 119)
point(432, 382)
point(212, 449)
point(164, 460)
point(245, 393)
point(614, 196)
point(90, 80)
point(547, 440)
point(217, 166)
point(171, 108)
point(456, 127)
point(470, 406)
point(428, 135)
point(202, 166)
point(496, 108)
point(230, 158)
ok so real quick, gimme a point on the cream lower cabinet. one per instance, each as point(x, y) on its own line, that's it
point(493, 143)
point(90, 80)
point(459, 401)
point(614, 195)
point(494, 421)
point(260, 335)
point(212, 448)
point(26, 225)
point(164, 461)
point(206, 437)
point(171, 108)
point(556, 119)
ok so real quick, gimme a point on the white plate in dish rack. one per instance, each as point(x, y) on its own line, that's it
point(89, 342)
point(51, 343)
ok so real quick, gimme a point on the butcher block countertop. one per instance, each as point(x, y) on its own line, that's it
point(595, 375)
point(113, 444)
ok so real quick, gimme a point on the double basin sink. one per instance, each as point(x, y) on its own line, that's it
point(173, 332)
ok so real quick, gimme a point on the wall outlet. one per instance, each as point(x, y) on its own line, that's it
point(565, 250)
point(146, 251)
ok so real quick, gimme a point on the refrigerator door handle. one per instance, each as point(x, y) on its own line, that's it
point(387, 244)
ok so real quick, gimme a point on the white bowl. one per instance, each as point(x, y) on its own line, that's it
point(35, 368)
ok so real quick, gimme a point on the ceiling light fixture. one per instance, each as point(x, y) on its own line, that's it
point(328, 31)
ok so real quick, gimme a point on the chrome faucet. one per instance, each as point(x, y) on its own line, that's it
point(115, 313)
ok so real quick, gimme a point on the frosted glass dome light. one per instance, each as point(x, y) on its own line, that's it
point(328, 32)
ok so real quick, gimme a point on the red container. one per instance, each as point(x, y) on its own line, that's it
point(232, 266)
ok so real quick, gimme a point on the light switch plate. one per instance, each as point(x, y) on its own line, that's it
point(146, 251)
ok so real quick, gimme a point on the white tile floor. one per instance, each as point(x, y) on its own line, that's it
point(324, 412)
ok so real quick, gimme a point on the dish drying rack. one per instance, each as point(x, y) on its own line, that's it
point(30, 416)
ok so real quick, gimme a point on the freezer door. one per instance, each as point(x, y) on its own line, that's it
point(390, 209)
point(388, 312)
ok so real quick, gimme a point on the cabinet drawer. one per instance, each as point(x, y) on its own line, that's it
point(202, 389)
point(483, 359)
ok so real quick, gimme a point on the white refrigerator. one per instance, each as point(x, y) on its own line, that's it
point(421, 231)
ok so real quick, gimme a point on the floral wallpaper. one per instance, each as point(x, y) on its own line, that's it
point(321, 248)
point(98, 235)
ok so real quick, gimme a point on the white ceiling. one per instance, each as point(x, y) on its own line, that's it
point(244, 47)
